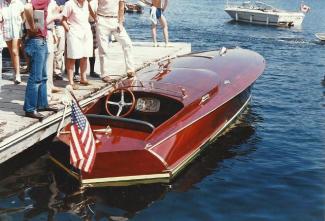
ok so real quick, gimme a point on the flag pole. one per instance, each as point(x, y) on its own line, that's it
point(74, 98)
point(79, 170)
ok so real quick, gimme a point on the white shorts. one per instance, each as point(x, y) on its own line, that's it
point(79, 46)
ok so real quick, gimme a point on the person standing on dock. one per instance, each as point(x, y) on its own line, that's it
point(110, 18)
point(92, 60)
point(79, 38)
point(53, 14)
point(37, 51)
point(59, 59)
point(156, 14)
point(12, 13)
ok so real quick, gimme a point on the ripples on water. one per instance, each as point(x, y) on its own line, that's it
point(269, 166)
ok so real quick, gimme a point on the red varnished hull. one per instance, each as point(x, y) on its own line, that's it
point(212, 90)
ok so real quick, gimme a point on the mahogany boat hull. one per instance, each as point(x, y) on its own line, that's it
point(158, 154)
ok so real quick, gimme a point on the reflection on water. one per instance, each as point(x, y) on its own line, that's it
point(41, 190)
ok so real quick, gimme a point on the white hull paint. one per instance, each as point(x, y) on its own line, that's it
point(320, 36)
point(277, 18)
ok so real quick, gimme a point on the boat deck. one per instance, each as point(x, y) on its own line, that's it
point(18, 133)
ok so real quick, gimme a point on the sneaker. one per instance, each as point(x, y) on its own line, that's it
point(34, 114)
point(94, 75)
point(58, 77)
point(76, 78)
point(17, 79)
point(24, 69)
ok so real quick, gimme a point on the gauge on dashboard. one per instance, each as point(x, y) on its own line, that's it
point(147, 104)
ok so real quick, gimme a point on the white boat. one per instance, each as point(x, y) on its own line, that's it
point(320, 36)
point(261, 13)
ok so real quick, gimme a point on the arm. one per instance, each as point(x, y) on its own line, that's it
point(22, 15)
point(121, 12)
point(66, 13)
point(55, 37)
point(65, 24)
point(91, 11)
point(30, 17)
point(165, 5)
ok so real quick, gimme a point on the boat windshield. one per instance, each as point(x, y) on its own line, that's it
point(257, 5)
point(154, 86)
point(264, 6)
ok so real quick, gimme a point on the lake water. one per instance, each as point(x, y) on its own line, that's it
point(270, 166)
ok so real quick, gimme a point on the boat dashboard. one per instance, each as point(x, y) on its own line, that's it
point(135, 109)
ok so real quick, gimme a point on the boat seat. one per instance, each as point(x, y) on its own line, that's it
point(120, 122)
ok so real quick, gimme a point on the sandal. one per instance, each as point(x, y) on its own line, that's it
point(74, 86)
point(85, 83)
point(56, 90)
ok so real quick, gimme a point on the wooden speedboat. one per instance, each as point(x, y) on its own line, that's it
point(158, 123)
point(260, 13)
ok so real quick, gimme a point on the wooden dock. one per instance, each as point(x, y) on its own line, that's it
point(18, 133)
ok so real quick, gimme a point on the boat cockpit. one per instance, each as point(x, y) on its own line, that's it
point(137, 105)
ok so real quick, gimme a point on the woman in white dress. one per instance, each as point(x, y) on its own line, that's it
point(79, 38)
point(12, 12)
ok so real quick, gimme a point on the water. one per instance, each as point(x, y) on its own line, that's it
point(270, 166)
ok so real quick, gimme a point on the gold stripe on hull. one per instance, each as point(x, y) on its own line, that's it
point(127, 180)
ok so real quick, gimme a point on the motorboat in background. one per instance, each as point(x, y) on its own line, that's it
point(320, 36)
point(150, 128)
point(133, 7)
point(261, 13)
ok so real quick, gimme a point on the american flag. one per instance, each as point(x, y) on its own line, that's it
point(82, 141)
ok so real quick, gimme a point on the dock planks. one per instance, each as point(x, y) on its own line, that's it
point(18, 133)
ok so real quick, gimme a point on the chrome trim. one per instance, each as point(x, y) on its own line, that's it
point(158, 157)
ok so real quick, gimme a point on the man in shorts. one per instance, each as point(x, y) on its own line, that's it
point(156, 14)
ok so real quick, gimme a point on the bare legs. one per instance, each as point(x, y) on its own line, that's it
point(70, 68)
point(154, 34)
point(83, 69)
point(13, 46)
point(23, 52)
point(164, 25)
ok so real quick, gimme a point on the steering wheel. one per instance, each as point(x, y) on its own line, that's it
point(121, 104)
